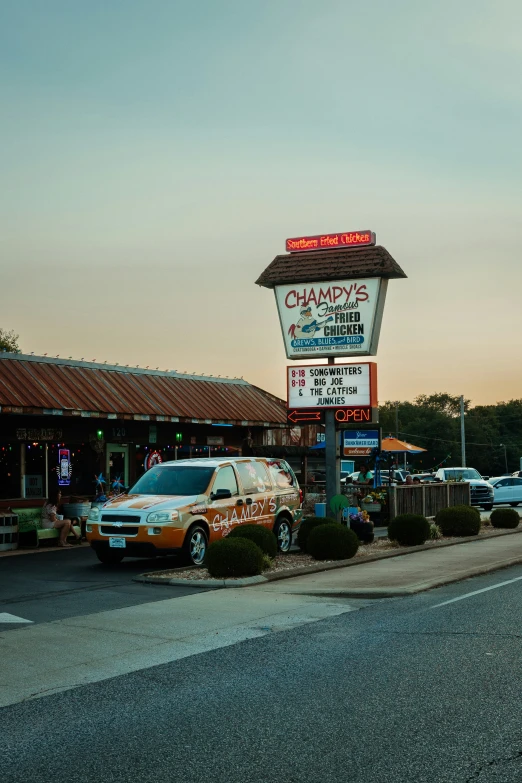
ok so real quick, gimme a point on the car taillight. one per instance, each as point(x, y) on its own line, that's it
point(300, 497)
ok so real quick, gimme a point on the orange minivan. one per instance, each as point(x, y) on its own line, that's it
point(182, 506)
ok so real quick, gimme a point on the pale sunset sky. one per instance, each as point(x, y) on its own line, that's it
point(156, 154)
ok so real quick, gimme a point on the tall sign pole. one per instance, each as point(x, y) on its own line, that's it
point(332, 466)
point(330, 291)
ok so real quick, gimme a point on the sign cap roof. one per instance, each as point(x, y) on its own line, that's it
point(321, 265)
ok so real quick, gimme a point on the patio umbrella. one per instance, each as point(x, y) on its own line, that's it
point(399, 446)
point(396, 446)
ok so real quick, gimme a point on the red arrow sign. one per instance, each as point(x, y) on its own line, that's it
point(296, 416)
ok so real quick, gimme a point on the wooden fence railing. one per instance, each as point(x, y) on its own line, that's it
point(427, 499)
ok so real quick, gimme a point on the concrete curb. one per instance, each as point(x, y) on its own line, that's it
point(205, 583)
point(316, 569)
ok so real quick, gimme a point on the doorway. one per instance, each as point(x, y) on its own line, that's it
point(117, 464)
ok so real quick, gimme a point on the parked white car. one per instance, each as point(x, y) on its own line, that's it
point(507, 490)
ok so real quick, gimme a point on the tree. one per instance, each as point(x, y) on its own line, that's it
point(493, 432)
point(9, 341)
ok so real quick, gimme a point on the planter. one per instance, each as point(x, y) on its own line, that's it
point(363, 531)
point(78, 510)
point(371, 507)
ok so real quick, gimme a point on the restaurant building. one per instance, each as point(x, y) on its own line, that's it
point(65, 422)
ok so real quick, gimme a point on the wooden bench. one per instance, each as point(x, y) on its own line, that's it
point(30, 522)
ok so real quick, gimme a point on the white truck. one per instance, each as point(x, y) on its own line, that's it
point(482, 492)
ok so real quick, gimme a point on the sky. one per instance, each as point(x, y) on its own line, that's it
point(156, 154)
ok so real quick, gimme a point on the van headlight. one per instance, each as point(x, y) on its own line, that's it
point(94, 514)
point(162, 516)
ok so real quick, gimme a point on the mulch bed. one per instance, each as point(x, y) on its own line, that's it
point(298, 560)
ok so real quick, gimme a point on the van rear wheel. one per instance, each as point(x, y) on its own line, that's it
point(283, 533)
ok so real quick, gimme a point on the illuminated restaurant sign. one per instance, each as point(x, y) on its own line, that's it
point(332, 386)
point(331, 318)
point(330, 241)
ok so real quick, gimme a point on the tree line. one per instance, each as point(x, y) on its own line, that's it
point(493, 432)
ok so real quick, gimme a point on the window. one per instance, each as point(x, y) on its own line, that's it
point(282, 476)
point(170, 480)
point(462, 474)
point(226, 479)
point(254, 477)
point(503, 483)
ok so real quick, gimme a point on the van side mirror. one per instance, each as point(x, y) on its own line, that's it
point(221, 494)
point(486, 478)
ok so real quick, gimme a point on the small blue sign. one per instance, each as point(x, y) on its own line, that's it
point(361, 439)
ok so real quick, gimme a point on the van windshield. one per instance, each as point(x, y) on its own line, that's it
point(462, 474)
point(173, 480)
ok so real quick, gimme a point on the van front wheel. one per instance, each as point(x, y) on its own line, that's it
point(109, 558)
point(195, 545)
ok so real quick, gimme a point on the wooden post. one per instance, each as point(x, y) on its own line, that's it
point(22, 470)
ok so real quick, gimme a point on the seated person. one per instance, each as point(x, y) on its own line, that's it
point(364, 476)
point(416, 480)
point(50, 519)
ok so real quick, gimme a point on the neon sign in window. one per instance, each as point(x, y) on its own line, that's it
point(64, 467)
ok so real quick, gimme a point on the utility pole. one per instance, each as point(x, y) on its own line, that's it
point(505, 456)
point(462, 432)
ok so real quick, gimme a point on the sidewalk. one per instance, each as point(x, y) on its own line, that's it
point(406, 574)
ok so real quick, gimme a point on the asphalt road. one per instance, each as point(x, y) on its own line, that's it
point(401, 691)
point(46, 586)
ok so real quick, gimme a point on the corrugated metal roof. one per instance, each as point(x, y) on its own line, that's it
point(36, 384)
point(316, 266)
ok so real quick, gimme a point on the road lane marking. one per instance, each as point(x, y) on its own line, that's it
point(476, 592)
point(5, 617)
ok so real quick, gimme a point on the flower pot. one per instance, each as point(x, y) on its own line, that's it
point(363, 531)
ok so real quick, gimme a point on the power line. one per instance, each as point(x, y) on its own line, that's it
point(447, 440)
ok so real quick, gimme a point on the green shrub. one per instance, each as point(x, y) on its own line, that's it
point(409, 529)
point(233, 557)
point(505, 517)
point(332, 542)
point(458, 521)
point(435, 532)
point(306, 527)
point(264, 538)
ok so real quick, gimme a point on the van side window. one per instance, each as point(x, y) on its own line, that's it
point(254, 477)
point(226, 479)
point(281, 476)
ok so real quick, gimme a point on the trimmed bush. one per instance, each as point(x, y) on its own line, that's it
point(233, 557)
point(458, 521)
point(505, 517)
point(264, 538)
point(332, 542)
point(306, 527)
point(409, 529)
